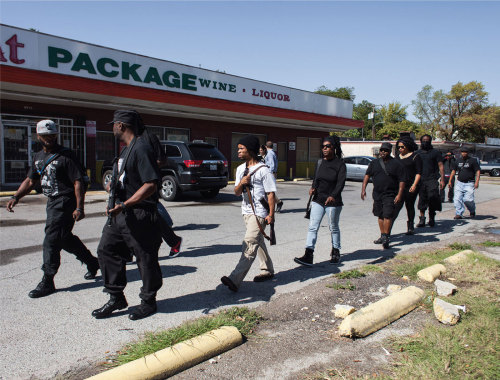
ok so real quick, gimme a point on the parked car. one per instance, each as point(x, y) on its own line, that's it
point(194, 166)
point(491, 167)
point(356, 166)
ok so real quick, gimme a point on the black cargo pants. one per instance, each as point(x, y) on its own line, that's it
point(58, 235)
point(134, 232)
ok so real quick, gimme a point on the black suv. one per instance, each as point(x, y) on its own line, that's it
point(190, 166)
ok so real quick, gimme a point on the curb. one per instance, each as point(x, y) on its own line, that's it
point(172, 360)
point(379, 314)
point(429, 274)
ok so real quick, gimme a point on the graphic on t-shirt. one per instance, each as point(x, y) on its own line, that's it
point(48, 178)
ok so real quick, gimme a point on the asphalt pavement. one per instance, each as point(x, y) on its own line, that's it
point(50, 335)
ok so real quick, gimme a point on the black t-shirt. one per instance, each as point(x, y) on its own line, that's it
point(59, 175)
point(383, 184)
point(141, 167)
point(412, 165)
point(430, 159)
point(466, 169)
point(330, 181)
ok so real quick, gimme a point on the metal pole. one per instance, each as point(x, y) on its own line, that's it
point(373, 124)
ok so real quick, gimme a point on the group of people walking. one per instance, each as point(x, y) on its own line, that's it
point(135, 225)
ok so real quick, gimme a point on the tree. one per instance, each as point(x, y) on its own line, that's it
point(476, 126)
point(394, 113)
point(339, 92)
point(429, 109)
point(462, 100)
point(393, 130)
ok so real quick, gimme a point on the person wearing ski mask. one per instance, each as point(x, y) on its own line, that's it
point(432, 181)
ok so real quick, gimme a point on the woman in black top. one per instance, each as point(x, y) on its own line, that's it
point(412, 162)
point(328, 183)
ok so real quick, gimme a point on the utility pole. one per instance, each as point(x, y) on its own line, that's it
point(371, 115)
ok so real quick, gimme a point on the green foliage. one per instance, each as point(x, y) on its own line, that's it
point(476, 126)
point(354, 273)
point(371, 268)
point(489, 243)
point(243, 319)
point(339, 286)
point(339, 92)
point(460, 246)
point(428, 109)
point(393, 129)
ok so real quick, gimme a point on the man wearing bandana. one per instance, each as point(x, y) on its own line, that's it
point(432, 172)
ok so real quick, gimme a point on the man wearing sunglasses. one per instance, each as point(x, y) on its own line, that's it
point(388, 184)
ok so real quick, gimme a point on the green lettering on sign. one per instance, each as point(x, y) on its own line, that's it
point(175, 82)
point(83, 62)
point(204, 82)
point(189, 82)
point(153, 76)
point(101, 67)
point(57, 55)
point(130, 71)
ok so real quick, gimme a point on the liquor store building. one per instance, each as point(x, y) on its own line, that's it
point(79, 85)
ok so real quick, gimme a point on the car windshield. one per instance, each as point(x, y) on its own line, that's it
point(205, 152)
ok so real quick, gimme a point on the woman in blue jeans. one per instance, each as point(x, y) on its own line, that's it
point(327, 186)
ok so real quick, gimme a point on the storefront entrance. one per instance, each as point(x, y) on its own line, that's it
point(19, 143)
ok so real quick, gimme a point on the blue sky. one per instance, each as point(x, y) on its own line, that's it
point(387, 51)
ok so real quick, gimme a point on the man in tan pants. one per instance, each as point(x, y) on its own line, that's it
point(255, 177)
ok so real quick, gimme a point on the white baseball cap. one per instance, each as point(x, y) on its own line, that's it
point(46, 127)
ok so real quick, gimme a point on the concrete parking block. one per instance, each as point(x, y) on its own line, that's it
point(379, 314)
point(429, 274)
point(458, 257)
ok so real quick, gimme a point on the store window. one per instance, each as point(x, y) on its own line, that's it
point(104, 145)
point(308, 154)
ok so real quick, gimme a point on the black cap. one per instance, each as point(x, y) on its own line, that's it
point(465, 149)
point(251, 143)
point(386, 146)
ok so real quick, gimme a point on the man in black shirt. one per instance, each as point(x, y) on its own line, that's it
point(448, 163)
point(388, 184)
point(428, 196)
point(469, 171)
point(134, 225)
point(61, 180)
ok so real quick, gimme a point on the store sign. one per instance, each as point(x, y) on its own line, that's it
point(37, 51)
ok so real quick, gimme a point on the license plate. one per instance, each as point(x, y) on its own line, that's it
point(213, 167)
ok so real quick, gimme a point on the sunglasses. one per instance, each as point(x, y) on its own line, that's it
point(401, 147)
point(385, 150)
point(326, 146)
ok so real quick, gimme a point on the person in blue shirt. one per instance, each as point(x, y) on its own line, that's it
point(272, 162)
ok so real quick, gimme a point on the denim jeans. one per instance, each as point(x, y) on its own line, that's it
point(317, 213)
point(464, 197)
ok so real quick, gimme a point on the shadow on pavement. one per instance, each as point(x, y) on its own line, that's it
point(194, 226)
point(214, 249)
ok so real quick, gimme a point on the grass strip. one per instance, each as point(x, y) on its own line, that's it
point(489, 243)
point(242, 318)
point(467, 350)
point(337, 286)
point(354, 273)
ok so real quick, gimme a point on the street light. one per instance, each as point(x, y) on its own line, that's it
point(371, 115)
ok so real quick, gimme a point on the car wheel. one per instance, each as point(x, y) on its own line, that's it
point(495, 173)
point(209, 193)
point(169, 189)
point(106, 178)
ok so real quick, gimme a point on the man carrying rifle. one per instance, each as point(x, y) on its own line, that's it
point(133, 222)
point(254, 181)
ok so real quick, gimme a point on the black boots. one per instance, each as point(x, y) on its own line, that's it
point(307, 259)
point(421, 222)
point(386, 241)
point(335, 256)
point(411, 228)
point(145, 309)
point(92, 268)
point(116, 302)
point(44, 288)
point(380, 240)
point(432, 222)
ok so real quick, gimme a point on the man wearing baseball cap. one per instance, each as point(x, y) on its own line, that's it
point(467, 180)
point(61, 180)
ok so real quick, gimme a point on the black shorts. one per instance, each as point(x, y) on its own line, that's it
point(385, 207)
point(428, 196)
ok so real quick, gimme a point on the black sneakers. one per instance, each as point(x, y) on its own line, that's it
point(410, 228)
point(145, 309)
point(307, 259)
point(335, 256)
point(421, 222)
point(116, 302)
point(176, 249)
point(386, 241)
point(432, 222)
point(44, 288)
point(263, 277)
point(380, 240)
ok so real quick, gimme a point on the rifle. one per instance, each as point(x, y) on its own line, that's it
point(112, 191)
point(308, 207)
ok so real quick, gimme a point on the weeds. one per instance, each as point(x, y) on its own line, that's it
point(337, 286)
point(489, 243)
point(460, 246)
point(349, 274)
point(243, 319)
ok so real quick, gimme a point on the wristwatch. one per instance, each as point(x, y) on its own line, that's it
point(123, 206)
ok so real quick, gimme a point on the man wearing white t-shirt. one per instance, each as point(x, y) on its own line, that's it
point(255, 177)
